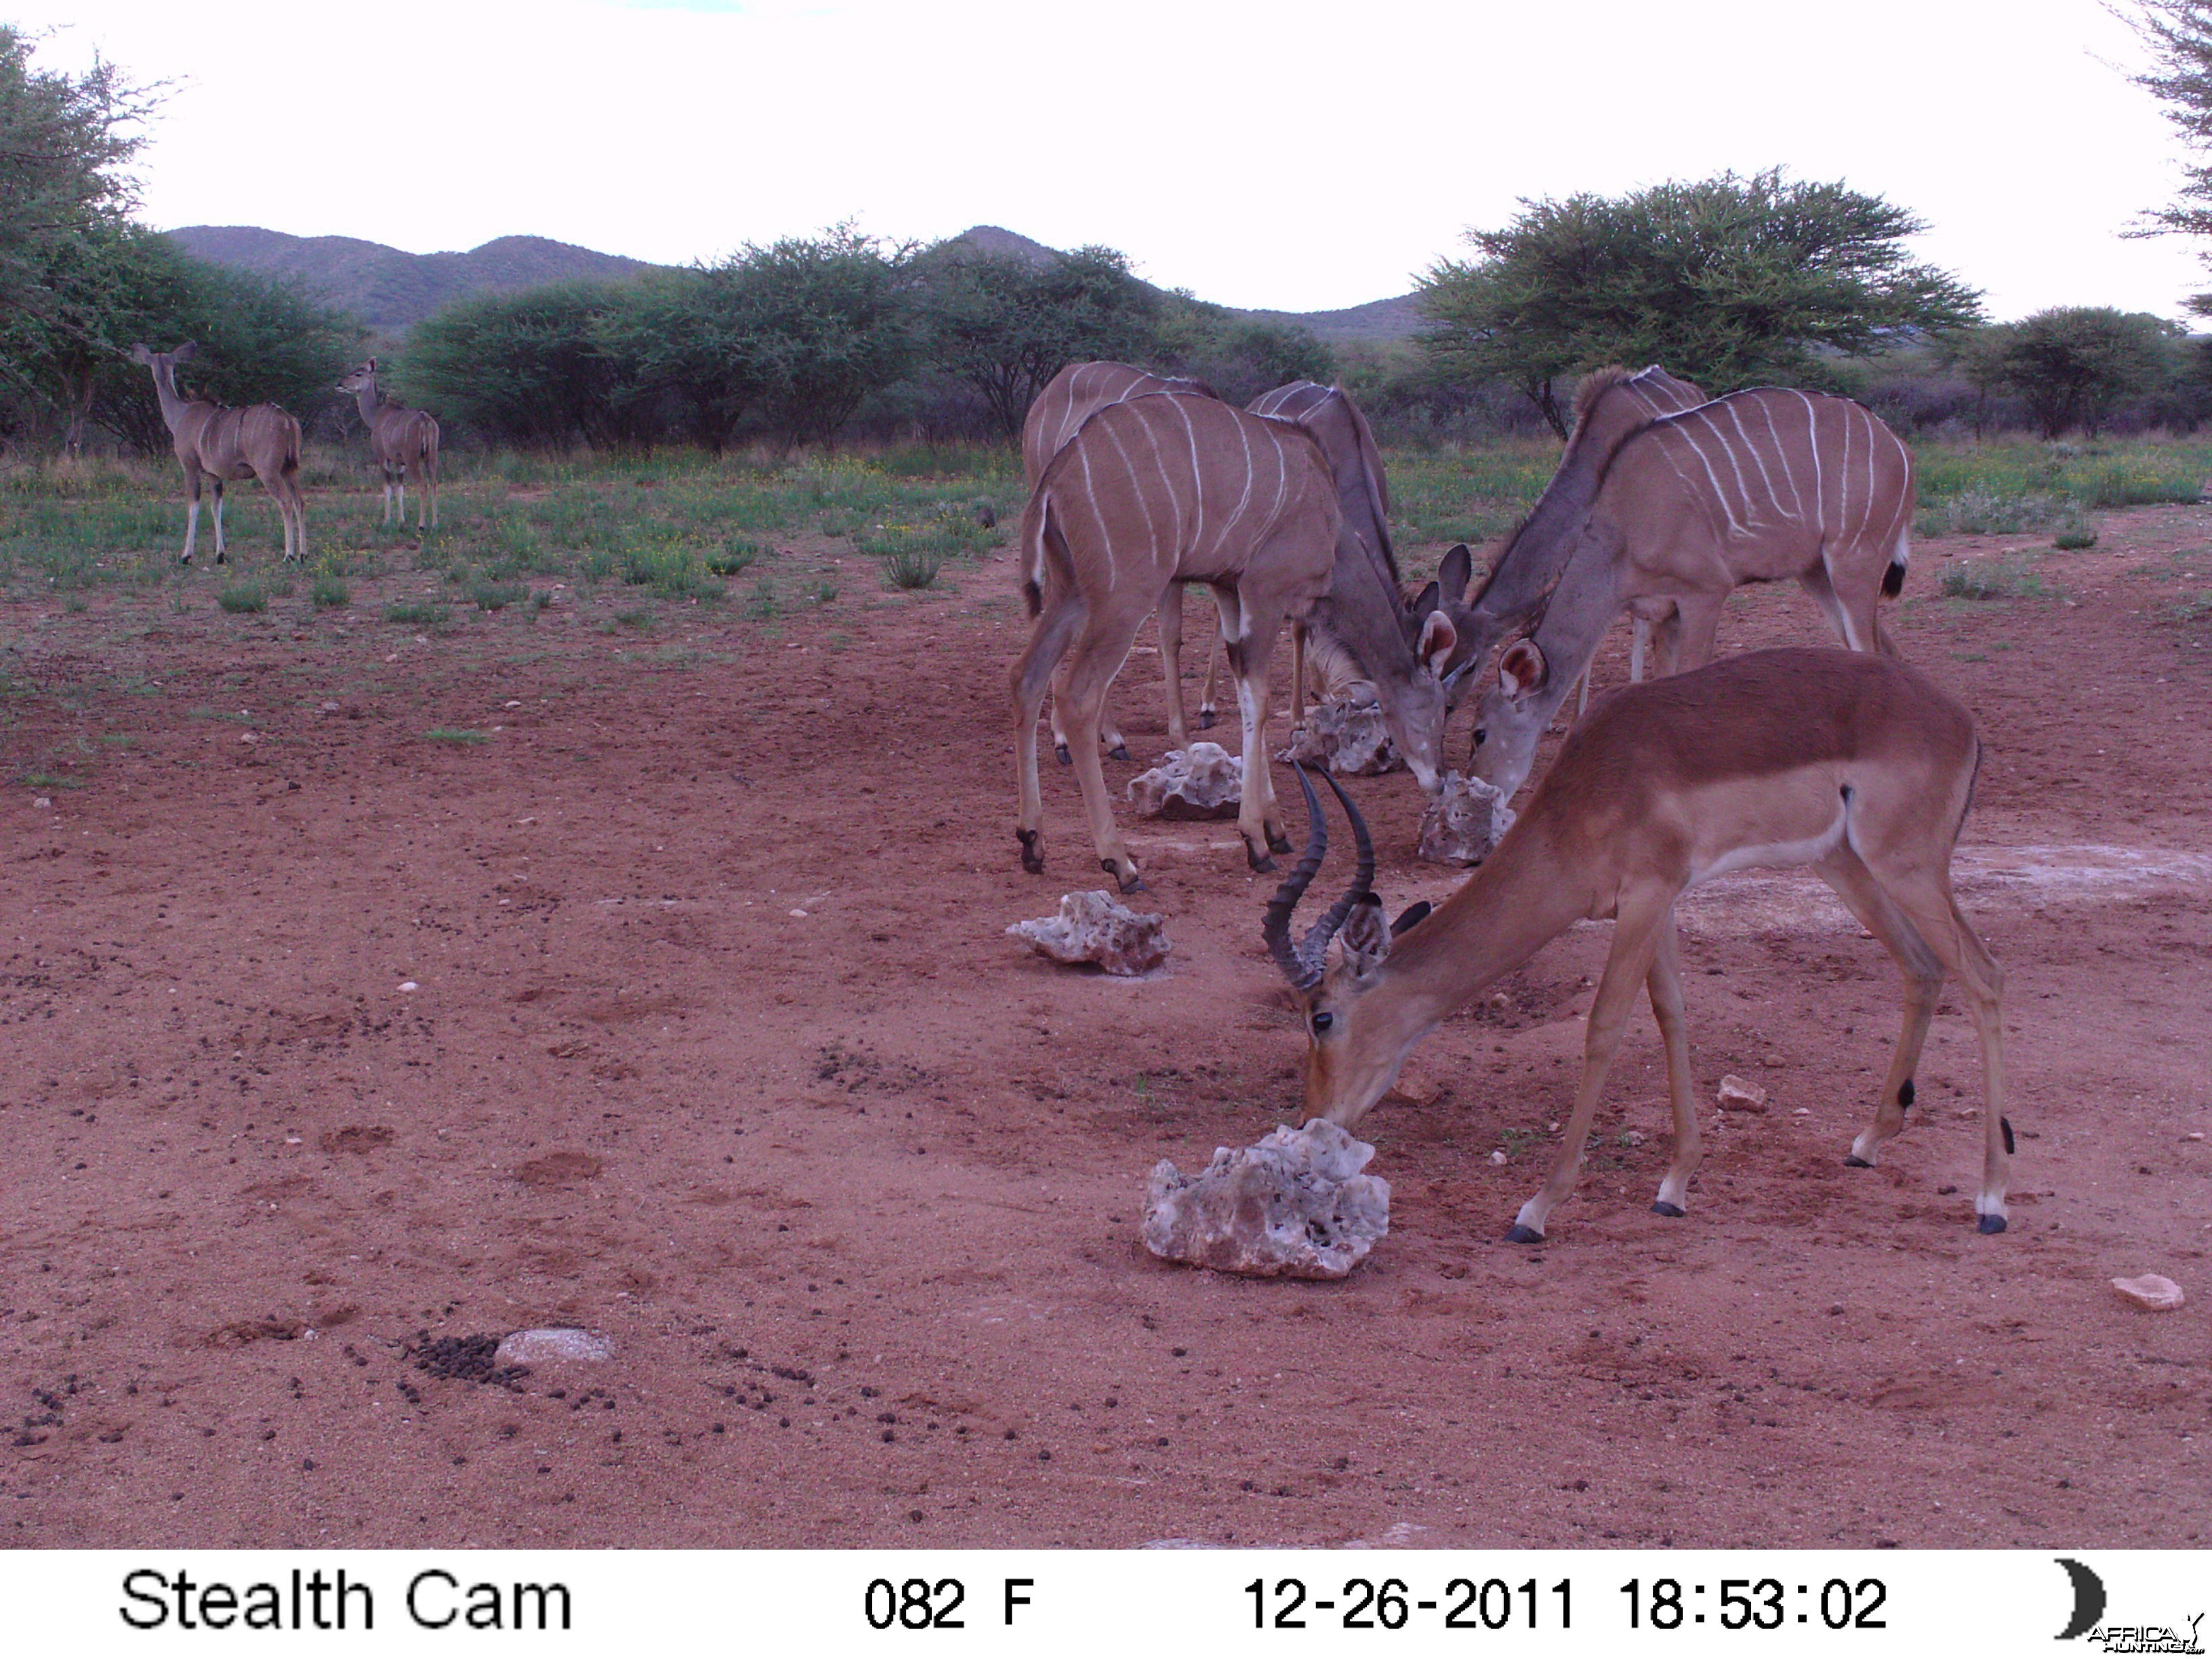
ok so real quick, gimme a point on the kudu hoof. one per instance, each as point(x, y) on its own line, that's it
point(1132, 883)
point(1855, 1162)
point(1518, 1234)
point(1119, 751)
point(1032, 860)
point(1059, 753)
point(1259, 861)
point(1989, 1223)
point(1662, 1207)
point(1206, 720)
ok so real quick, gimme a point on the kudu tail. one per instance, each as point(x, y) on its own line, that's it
point(1043, 549)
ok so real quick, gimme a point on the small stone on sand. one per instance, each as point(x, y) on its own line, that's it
point(409, 985)
point(1737, 1096)
point(2151, 1291)
point(1093, 927)
point(552, 1345)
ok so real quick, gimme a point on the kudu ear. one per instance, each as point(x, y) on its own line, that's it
point(370, 365)
point(1456, 571)
point(1365, 938)
point(1439, 639)
point(142, 354)
point(1426, 601)
point(186, 353)
point(1412, 916)
point(1522, 669)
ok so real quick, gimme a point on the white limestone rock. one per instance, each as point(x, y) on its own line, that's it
point(553, 1345)
point(1202, 782)
point(1738, 1095)
point(1294, 1206)
point(1094, 927)
point(1465, 822)
point(1347, 735)
point(2153, 1290)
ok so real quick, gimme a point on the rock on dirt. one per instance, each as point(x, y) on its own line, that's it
point(2151, 1291)
point(1738, 1095)
point(1294, 1206)
point(1093, 927)
point(1346, 735)
point(1464, 824)
point(1202, 782)
point(551, 1345)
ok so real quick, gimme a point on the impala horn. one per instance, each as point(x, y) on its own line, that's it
point(1302, 964)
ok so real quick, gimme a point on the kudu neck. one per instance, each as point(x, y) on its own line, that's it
point(368, 398)
point(174, 404)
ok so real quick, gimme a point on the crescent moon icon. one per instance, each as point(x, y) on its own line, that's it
point(2088, 1599)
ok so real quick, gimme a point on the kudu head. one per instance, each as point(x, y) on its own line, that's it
point(164, 363)
point(1509, 720)
point(1446, 597)
point(1348, 1065)
point(357, 379)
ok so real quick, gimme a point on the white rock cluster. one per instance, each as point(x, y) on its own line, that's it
point(1465, 822)
point(1095, 927)
point(1202, 782)
point(1346, 734)
point(1294, 1206)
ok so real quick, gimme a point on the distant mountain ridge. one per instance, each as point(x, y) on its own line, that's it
point(392, 290)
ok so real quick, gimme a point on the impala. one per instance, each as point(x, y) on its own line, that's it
point(1854, 765)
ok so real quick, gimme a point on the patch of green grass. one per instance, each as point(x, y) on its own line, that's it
point(456, 735)
point(2136, 483)
point(639, 619)
point(497, 596)
point(53, 781)
point(2073, 532)
point(330, 592)
point(1991, 579)
point(247, 600)
point(412, 615)
point(734, 556)
point(1986, 512)
point(761, 605)
point(2192, 609)
point(912, 569)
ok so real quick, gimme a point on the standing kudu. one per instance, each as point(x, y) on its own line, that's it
point(261, 442)
point(1855, 765)
point(1755, 486)
point(1070, 397)
point(399, 438)
point(1168, 487)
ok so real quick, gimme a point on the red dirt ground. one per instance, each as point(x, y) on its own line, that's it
point(718, 1048)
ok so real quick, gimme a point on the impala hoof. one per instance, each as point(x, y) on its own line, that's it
point(1119, 751)
point(1279, 842)
point(1662, 1207)
point(1989, 1223)
point(1132, 883)
point(1032, 860)
point(1518, 1234)
point(1259, 861)
point(1059, 753)
point(1855, 1162)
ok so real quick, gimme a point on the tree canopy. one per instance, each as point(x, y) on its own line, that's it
point(2179, 34)
point(1730, 281)
point(2072, 364)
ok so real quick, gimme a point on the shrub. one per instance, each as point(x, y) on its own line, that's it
point(1984, 512)
point(415, 616)
point(763, 606)
point(1991, 579)
point(456, 735)
point(2123, 486)
point(733, 556)
point(330, 592)
point(912, 568)
point(2074, 531)
point(245, 599)
point(497, 596)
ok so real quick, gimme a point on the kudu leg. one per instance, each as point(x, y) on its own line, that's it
point(1636, 928)
point(1664, 984)
point(191, 517)
point(1699, 620)
point(1251, 654)
point(220, 555)
point(1208, 715)
point(1297, 677)
point(1171, 667)
point(1031, 675)
point(1639, 643)
point(1098, 655)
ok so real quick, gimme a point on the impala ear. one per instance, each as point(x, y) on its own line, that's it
point(1456, 571)
point(1412, 916)
point(1439, 639)
point(186, 353)
point(1365, 937)
point(1522, 669)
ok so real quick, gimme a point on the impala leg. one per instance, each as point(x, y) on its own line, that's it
point(1635, 943)
point(1664, 984)
point(1854, 884)
point(1032, 673)
point(1058, 732)
point(1171, 667)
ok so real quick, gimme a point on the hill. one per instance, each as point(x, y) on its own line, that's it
point(388, 289)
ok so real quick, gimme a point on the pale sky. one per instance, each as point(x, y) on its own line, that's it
point(1286, 154)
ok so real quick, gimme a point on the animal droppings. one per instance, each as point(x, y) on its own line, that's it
point(1294, 1206)
point(2151, 1291)
point(1202, 782)
point(552, 1345)
point(1347, 735)
point(1465, 822)
point(1737, 1096)
point(1094, 928)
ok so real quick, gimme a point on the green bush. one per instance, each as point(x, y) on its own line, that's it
point(330, 592)
point(415, 616)
point(2074, 531)
point(245, 599)
point(497, 596)
point(912, 569)
point(1991, 579)
point(735, 555)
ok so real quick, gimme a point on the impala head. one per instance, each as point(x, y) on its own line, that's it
point(1352, 1052)
point(358, 378)
point(1511, 719)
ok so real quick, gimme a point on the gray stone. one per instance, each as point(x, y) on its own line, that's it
point(1465, 822)
point(1202, 782)
point(1347, 735)
point(552, 1345)
point(2153, 1290)
point(1094, 927)
point(1294, 1206)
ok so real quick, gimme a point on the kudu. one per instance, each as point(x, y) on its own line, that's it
point(1855, 765)
point(1172, 487)
point(261, 441)
point(1069, 399)
point(399, 438)
point(1758, 486)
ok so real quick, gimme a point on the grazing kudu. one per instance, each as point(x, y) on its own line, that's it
point(1070, 397)
point(1755, 486)
point(399, 438)
point(261, 441)
point(1169, 488)
point(1855, 765)
point(1402, 642)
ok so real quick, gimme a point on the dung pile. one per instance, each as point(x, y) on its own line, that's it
point(1093, 927)
point(1294, 1207)
point(1202, 782)
point(1464, 823)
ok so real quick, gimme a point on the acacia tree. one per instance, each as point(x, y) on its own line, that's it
point(828, 320)
point(683, 337)
point(2072, 364)
point(1730, 281)
point(2179, 34)
point(529, 368)
point(1006, 325)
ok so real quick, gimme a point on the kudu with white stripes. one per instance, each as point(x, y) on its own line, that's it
point(211, 441)
point(399, 438)
point(1755, 486)
point(1408, 649)
point(1070, 397)
point(1172, 487)
point(1855, 765)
